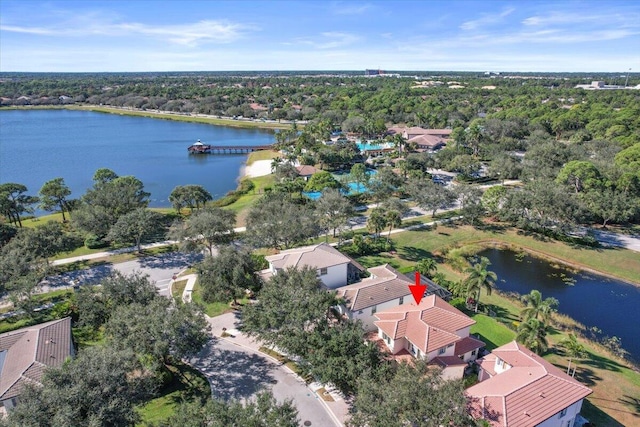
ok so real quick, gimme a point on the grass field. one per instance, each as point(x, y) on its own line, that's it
point(186, 118)
point(187, 385)
point(262, 155)
point(242, 205)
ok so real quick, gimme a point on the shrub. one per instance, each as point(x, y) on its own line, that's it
point(94, 242)
point(458, 303)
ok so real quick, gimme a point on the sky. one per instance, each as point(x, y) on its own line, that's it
point(420, 35)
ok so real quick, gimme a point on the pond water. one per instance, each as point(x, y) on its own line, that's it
point(611, 305)
point(39, 145)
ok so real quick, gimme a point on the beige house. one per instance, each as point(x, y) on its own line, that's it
point(27, 352)
point(423, 139)
point(334, 268)
point(519, 388)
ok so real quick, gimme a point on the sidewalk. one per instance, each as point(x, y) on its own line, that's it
point(188, 289)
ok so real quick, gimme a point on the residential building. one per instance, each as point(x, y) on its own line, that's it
point(334, 268)
point(423, 139)
point(26, 353)
point(434, 330)
point(384, 288)
point(519, 388)
point(305, 171)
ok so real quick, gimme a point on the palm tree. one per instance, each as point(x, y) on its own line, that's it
point(427, 267)
point(537, 308)
point(393, 219)
point(533, 334)
point(574, 350)
point(479, 277)
point(376, 222)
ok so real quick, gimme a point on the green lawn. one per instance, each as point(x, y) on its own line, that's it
point(242, 205)
point(185, 118)
point(492, 332)
point(262, 155)
point(187, 385)
point(213, 309)
point(178, 288)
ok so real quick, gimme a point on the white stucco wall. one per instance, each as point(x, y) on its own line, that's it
point(567, 420)
point(367, 318)
point(336, 276)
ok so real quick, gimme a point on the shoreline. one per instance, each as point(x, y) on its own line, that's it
point(572, 265)
point(164, 115)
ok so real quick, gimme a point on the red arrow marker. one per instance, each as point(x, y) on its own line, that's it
point(418, 289)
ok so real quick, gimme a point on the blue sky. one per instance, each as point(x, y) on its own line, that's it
point(147, 35)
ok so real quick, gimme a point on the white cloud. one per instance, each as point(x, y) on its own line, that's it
point(190, 34)
point(557, 18)
point(344, 8)
point(486, 19)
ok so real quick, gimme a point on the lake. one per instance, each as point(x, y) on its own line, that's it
point(39, 145)
point(593, 300)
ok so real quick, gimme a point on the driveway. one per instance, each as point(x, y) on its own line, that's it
point(159, 268)
point(238, 372)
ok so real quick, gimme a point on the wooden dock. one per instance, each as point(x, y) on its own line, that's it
point(200, 148)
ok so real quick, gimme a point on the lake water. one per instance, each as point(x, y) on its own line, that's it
point(611, 305)
point(38, 145)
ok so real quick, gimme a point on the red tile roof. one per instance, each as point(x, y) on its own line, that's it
point(306, 170)
point(429, 326)
point(531, 391)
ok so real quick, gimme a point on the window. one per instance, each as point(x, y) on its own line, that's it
point(374, 309)
point(401, 300)
point(499, 363)
point(443, 350)
point(473, 353)
point(323, 271)
point(562, 413)
point(386, 338)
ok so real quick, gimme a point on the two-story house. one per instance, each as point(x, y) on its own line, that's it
point(434, 330)
point(519, 388)
point(334, 268)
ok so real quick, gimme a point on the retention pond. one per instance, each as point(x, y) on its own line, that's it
point(610, 305)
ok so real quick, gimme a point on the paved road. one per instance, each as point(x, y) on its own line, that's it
point(160, 270)
point(236, 372)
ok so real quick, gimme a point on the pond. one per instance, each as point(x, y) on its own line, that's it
point(611, 305)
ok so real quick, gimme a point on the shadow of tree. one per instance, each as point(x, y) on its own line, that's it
point(414, 254)
point(233, 374)
point(602, 363)
point(596, 415)
point(173, 260)
point(633, 402)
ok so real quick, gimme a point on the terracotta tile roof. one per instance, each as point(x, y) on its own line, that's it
point(429, 326)
point(385, 284)
point(467, 344)
point(306, 170)
point(531, 391)
point(28, 351)
point(322, 255)
point(431, 141)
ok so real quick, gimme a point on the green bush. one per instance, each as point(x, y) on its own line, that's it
point(458, 303)
point(229, 198)
point(94, 242)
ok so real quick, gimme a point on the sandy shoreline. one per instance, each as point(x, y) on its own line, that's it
point(257, 168)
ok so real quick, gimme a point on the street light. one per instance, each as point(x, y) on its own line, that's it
point(627, 79)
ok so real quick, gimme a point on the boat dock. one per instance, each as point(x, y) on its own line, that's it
point(200, 148)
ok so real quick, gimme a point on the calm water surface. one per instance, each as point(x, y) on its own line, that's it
point(611, 305)
point(38, 145)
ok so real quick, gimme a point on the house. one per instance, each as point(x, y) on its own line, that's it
point(305, 171)
point(519, 388)
point(423, 139)
point(383, 289)
point(434, 330)
point(334, 268)
point(26, 353)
